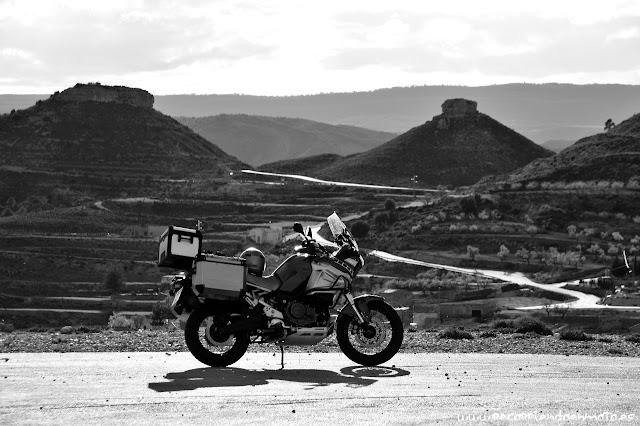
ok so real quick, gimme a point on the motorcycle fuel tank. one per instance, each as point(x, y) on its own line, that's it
point(294, 274)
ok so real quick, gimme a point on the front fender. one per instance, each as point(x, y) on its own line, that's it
point(361, 303)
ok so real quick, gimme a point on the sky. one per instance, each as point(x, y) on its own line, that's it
point(297, 47)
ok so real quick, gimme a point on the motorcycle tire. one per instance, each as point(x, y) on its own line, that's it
point(210, 347)
point(374, 343)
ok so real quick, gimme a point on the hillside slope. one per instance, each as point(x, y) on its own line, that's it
point(259, 140)
point(457, 147)
point(610, 156)
point(306, 166)
point(107, 131)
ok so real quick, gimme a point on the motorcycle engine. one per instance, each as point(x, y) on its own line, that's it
point(300, 313)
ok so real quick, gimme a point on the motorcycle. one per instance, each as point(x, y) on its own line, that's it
point(292, 306)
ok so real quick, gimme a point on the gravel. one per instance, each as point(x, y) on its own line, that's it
point(164, 340)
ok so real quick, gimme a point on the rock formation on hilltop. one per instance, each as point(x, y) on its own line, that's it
point(455, 148)
point(99, 93)
point(459, 107)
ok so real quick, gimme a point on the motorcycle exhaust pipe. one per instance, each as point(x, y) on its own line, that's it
point(245, 324)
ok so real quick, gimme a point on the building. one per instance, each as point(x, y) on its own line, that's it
point(271, 236)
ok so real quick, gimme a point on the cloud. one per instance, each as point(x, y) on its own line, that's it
point(530, 48)
point(251, 46)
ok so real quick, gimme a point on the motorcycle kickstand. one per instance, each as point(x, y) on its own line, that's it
point(281, 357)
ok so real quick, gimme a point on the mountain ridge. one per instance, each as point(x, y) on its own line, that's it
point(261, 139)
point(541, 112)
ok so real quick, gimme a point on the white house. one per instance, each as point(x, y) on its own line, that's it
point(272, 236)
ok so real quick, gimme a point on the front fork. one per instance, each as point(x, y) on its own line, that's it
point(357, 307)
point(352, 304)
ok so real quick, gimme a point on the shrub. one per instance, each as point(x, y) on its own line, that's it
point(119, 322)
point(531, 325)
point(503, 325)
point(488, 333)
point(454, 333)
point(635, 338)
point(86, 330)
point(137, 321)
point(160, 312)
point(578, 335)
point(521, 325)
point(114, 280)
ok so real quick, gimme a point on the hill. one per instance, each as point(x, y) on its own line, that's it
point(557, 145)
point(457, 147)
point(308, 166)
point(259, 139)
point(540, 112)
point(610, 156)
point(93, 139)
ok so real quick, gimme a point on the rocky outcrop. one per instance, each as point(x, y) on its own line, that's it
point(459, 107)
point(98, 93)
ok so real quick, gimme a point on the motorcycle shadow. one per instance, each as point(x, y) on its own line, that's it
point(357, 376)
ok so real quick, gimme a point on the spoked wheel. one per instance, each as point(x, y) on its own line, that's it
point(373, 343)
point(208, 344)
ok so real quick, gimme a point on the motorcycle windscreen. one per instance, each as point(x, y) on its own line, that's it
point(293, 274)
point(336, 225)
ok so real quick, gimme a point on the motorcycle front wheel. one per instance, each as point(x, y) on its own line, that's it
point(210, 346)
point(374, 343)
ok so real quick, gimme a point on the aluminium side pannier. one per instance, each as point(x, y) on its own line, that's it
point(219, 277)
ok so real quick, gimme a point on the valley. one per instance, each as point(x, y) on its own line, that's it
point(87, 186)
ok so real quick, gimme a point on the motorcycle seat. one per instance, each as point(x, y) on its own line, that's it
point(269, 283)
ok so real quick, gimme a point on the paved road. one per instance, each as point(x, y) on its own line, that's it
point(173, 388)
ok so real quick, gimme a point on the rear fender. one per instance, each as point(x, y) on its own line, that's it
point(361, 303)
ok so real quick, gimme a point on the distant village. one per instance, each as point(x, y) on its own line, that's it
point(259, 235)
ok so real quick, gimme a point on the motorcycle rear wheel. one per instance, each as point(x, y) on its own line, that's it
point(208, 345)
point(374, 343)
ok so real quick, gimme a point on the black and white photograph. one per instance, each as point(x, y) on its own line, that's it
point(246, 212)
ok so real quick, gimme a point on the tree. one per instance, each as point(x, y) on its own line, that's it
point(381, 219)
point(114, 280)
point(390, 204)
point(504, 252)
point(617, 237)
point(571, 230)
point(524, 254)
point(562, 309)
point(360, 229)
point(609, 124)
point(468, 205)
point(532, 230)
point(472, 252)
point(588, 232)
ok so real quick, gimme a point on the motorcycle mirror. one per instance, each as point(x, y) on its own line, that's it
point(297, 227)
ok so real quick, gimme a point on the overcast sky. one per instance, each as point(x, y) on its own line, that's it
point(290, 47)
